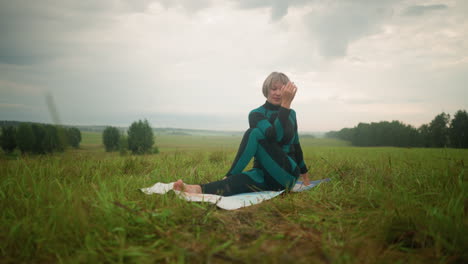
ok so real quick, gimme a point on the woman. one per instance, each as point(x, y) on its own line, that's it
point(272, 140)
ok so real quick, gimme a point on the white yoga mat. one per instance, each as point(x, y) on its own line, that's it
point(228, 202)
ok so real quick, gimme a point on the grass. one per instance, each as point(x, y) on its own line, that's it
point(384, 205)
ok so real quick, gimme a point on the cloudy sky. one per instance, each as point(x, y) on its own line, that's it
point(201, 63)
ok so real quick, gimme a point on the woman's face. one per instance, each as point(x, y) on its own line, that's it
point(274, 94)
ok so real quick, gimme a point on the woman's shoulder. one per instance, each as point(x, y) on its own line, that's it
point(260, 109)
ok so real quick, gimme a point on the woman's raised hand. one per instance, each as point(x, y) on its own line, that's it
point(288, 92)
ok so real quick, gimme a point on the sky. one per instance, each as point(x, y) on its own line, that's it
point(200, 64)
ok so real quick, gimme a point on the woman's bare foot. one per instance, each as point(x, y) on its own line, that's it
point(181, 186)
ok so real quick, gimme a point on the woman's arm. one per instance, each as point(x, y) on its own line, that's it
point(298, 154)
point(276, 129)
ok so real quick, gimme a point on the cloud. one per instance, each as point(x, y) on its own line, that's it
point(355, 100)
point(333, 24)
point(191, 6)
point(40, 31)
point(418, 10)
point(336, 24)
point(33, 32)
point(20, 101)
point(14, 106)
point(279, 8)
point(179, 62)
point(373, 99)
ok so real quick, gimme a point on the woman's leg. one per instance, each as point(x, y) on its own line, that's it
point(240, 183)
point(280, 170)
point(247, 150)
point(181, 186)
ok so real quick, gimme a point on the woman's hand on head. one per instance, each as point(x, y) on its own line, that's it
point(288, 92)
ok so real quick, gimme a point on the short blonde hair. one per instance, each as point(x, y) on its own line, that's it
point(273, 78)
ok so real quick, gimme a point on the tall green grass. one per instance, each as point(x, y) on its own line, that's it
point(384, 205)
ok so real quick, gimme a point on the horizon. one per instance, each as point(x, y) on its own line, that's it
point(220, 130)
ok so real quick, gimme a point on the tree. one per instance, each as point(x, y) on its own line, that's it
point(458, 131)
point(362, 136)
point(415, 138)
point(347, 134)
point(62, 140)
point(383, 133)
point(74, 137)
point(8, 138)
point(140, 137)
point(25, 138)
point(425, 135)
point(110, 138)
point(438, 130)
point(39, 135)
point(123, 144)
point(53, 139)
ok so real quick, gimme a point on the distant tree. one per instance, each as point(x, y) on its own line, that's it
point(362, 135)
point(123, 144)
point(437, 133)
point(25, 138)
point(62, 138)
point(415, 138)
point(383, 133)
point(74, 137)
point(54, 139)
point(39, 137)
point(140, 137)
point(332, 134)
point(425, 136)
point(347, 134)
point(438, 130)
point(110, 138)
point(8, 138)
point(458, 131)
point(344, 134)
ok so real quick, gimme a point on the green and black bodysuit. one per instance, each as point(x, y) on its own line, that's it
point(272, 140)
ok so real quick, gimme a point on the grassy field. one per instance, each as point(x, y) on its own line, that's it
point(383, 205)
point(196, 142)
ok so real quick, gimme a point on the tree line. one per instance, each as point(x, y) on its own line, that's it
point(440, 132)
point(38, 138)
point(45, 138)
point(139, 139)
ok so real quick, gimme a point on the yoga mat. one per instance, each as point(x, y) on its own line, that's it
point(228, 202)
